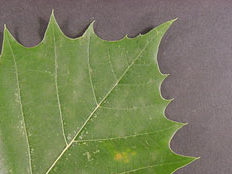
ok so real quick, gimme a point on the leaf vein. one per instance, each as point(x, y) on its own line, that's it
point(150, 166)
point(89, 69)
point(124, 137)
point(111, 65)
point(56, 86)
point(21, 105)
point(128, 108)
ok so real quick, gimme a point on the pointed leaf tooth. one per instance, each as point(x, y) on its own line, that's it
point(52, 27)
point(7, 34)
point(7, 38)
point(160, 30)
point(90, 30)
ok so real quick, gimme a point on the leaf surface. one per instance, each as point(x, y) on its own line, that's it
point(85, 106)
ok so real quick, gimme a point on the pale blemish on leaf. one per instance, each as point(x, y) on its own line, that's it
point(124, 157)
point(88, 156)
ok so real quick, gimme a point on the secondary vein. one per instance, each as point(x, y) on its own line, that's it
point(124, 137)
point(150, 166)
point(89, 69)
point(57, 90)
point(21, 106)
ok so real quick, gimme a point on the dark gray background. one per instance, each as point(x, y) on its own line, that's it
point(196, 51)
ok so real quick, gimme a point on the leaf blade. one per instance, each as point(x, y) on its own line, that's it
point(105, 111)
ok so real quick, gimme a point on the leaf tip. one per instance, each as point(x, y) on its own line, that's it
point(52, 25)
point(6, 32)
point(171, 99)
point(52, 12)
point(5, 29)
point(90, 29)
point(91, 24)
point(180, 125)
point(7, 37)
point(192, 159)
point(52, 17)
point(184, 124)
point(173, 20)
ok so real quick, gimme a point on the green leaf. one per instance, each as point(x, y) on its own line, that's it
point(85, 106)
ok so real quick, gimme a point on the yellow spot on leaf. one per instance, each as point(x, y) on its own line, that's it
point(124, 156)
point(118, 156)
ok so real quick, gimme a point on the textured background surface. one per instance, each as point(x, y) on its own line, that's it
point(197, 52)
